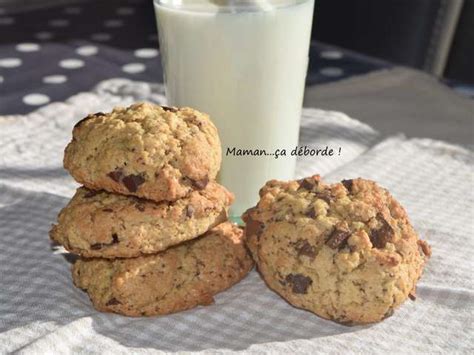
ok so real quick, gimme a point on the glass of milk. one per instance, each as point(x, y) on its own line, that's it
point(244, 63)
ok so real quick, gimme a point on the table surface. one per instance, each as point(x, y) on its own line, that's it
point(51, 54)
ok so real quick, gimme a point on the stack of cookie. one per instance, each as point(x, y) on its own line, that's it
point(150, 223)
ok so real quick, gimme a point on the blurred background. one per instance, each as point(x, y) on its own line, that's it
point(436, 36)
point(389, 51)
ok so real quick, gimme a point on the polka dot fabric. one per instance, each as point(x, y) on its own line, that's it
point(59, 51)
point(47, 55)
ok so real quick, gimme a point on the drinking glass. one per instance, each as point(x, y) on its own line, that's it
point(244, 63)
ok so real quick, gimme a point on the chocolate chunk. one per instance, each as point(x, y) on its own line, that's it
point(200, 184)
point(299, 283)
point(338, 238)
point(189, 211)
point(311, 213)
point(107, 210)
point(380, 237)
point(307, 184)
point(171, 109)
point(91, 193)
point(325, 196)
point(412, 296)
point(253, 227)
point(348, 184)
point(98, 246)
point(132, 182)
point(116, 175)
point(303, 247)
point(113, 302)
point(140, 207)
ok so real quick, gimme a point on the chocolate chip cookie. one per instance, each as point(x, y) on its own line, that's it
point(101, 224)
point(177, 279)
point(145, 150)
point(346, 251)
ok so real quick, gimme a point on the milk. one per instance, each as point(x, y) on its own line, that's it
point(247, 70)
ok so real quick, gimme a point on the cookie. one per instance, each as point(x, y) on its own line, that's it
point(177, 279)
point(101, 224)
point(346, 251)
point(145, 150)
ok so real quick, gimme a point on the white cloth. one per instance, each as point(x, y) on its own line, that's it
point(42, 312)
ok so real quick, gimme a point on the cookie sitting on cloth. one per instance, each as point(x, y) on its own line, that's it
point(346, 251)
point(182, 277)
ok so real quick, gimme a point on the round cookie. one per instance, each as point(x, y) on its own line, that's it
point(177, 279)
point(145, 150)
point(101, 224)
point(345, 251)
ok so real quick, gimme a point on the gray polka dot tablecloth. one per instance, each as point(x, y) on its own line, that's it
point(49, 54)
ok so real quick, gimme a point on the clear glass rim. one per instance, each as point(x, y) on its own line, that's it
point(212, 6)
